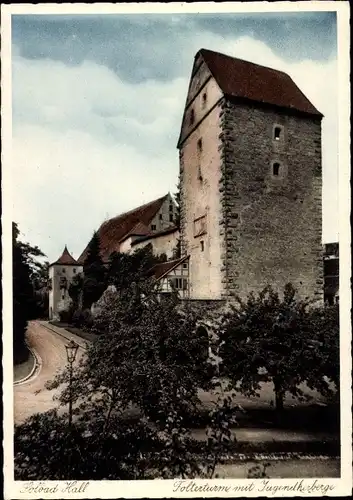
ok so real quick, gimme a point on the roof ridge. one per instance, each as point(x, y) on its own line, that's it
point(135, 209)
point(245, 61)
point(65, 258)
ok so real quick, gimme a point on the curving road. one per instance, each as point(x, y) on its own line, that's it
point(50, 348)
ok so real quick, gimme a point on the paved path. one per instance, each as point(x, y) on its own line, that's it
point(50, 347)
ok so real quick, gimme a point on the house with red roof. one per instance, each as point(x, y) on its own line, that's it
point(153, 222)
point(119, 233)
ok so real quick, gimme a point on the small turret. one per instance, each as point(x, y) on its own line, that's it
point(61, 274)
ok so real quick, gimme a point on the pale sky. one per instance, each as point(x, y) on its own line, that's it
point(98, 102)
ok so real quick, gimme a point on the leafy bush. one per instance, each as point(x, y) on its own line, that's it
point(151, 359)
point(66, 315)
point(284, 341)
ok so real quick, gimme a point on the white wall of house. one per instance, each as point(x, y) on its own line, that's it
point(178, 278)
point(166, 215)
point(165, 243)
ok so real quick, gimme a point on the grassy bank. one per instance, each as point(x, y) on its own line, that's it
point(90, 337)
point(22, 370)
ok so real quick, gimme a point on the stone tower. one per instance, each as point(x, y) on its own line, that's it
point(61, 273)
point(250, 167)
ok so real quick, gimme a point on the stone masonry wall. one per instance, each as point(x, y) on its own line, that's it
point(272, 224)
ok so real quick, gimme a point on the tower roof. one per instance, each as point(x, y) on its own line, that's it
point(250, 81)
point(66, 259)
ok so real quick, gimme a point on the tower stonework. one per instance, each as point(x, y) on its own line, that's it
point(250, 171)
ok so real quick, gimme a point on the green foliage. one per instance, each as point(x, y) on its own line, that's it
point(268, 339)
point(82, 319)
point(125, 269)
point(177, 250)
point(47, 449)
point(29, 277)
point(94, 274)
point(219, 434)
point(151, 359)
point(75, 290)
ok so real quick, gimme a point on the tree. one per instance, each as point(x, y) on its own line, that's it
point(94, 273)
point(125, 268)
point(268, 339)
point(29, 277)
point(75, 291)
point(151, 360)
point(22, 297)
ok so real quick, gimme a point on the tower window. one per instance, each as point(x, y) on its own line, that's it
point(277, 133)
point(200, 226)
point(202, 245)
point(170, 217)
point(171, 208)
point(199, 145)
point(160, 216)
point(275, 169)
point(204, 99)
point(153, 227)
point(192, 117)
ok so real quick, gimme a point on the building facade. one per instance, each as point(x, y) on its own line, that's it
point(250, 170)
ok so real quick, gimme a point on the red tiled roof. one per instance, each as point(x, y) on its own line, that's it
point(159, 270)
point(139, 230)
point(111, 232)
point(66, 259)
point(150, 236)
point(247, 80)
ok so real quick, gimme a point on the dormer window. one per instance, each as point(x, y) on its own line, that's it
point(192, 117)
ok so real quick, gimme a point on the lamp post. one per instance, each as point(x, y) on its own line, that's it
point(71, 352)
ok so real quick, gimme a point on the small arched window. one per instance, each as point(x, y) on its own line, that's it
point(275, 169)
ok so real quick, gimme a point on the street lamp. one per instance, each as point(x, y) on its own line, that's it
point(71, 352)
